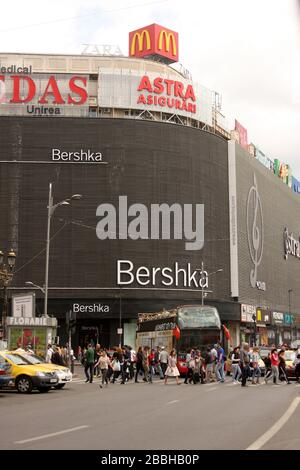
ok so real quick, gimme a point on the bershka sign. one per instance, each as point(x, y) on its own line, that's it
point(291, 244)
point(52, 90)
point(164, 92)
point(128, 274)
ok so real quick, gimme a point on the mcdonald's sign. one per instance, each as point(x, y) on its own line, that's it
point(154, 41)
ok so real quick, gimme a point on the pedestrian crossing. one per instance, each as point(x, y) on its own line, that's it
point(216, 385)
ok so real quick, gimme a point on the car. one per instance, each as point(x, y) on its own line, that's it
point(290, 356)
point(181, 364)
point(262, 352)
point(28, 376)
point(63, 373)
point(6, 379)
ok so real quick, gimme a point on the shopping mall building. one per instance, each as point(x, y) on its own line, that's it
point(165, 187)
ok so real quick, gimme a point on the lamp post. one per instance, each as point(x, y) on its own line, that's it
point(203, 277)
point(254, 329)
point(51, 209)
point(290, 316)
point(6, 275)
point(120, 320)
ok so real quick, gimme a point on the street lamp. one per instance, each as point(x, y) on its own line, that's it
point(255, 328)
point(51, 209)
point(6, 276)
point(29, 283)
point(202, 279)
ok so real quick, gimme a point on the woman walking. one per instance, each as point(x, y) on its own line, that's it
point(255, 357)
point(274, 366)
point(235, 365)
point(139, 363)
point(145, 363)
point(190, 362)
point(97, 357)
point(172, 370)
point(103, 364)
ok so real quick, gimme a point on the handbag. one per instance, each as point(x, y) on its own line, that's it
point(116, 366)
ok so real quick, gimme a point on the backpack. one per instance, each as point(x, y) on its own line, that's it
point(208, 358)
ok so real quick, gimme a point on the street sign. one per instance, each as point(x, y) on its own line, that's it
point(120, 331)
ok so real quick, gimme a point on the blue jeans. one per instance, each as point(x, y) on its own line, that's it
point(220, 372)
point(256, 373)
point(236, 372)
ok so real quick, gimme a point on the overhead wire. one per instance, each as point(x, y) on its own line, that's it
point(72, 18)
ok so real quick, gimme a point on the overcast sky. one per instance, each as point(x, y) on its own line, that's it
point(247, 50)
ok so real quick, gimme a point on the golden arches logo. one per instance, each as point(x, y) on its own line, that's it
point(168, 37)
point(139, 38)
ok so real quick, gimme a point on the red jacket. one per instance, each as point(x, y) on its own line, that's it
point(274, 359)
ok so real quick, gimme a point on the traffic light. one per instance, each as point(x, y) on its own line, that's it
point(71, 321)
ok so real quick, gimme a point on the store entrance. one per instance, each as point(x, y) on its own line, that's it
point(94, 334)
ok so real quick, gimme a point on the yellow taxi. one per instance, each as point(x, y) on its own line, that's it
point(290, 356)
point(28, 376)
point(63, 373)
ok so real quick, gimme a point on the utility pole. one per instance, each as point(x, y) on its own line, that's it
point(51, 208)
point(120, 321)
point(71, 327)
point(290, 315)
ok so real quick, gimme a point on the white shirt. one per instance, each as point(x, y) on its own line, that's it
point(132, 355)
point(163, 356)
point(49, 355)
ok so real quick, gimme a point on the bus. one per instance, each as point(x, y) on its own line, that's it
point(187, 326)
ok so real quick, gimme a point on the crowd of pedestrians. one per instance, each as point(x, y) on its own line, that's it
point(125, 364)
point(60, 355)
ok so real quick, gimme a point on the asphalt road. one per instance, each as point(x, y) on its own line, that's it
point(152, 416)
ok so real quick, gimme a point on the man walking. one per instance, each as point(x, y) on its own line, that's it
point(245, 363)
point(220, 364)
point(89, 364)
point(296, 363)
point(163, 359)
point(157, 363)
point(49, 353)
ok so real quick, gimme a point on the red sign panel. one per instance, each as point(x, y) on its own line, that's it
point(24, 89)
point(243, 134)
point(154, 40)
point(167, 93)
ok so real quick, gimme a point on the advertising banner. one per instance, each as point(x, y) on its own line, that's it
point(262, 158)
point(247, 312)
point(132, 89)
point(243, 134)
point(295, 185)
point(34, 339)
point(40, 94)
point(23, 305)
point(283, 171)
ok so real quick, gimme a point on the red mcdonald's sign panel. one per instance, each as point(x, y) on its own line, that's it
point(154, 40)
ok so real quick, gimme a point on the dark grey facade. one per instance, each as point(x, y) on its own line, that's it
point(281, 209)
point(150, 163)
point(260, 274)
